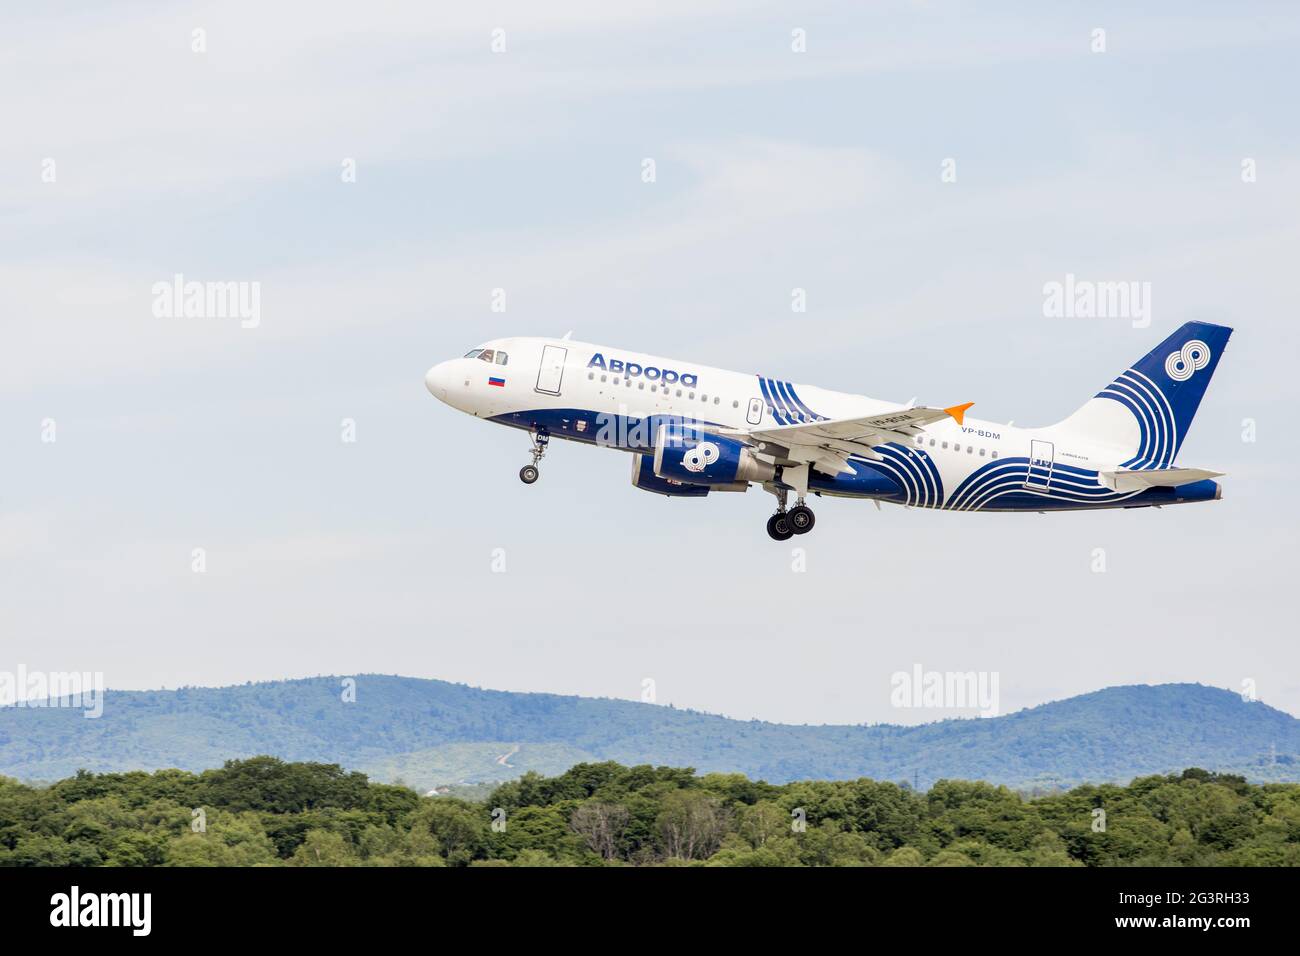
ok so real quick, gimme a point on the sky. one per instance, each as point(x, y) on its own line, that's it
point(130, 156)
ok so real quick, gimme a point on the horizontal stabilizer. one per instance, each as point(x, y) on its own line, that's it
point(1125, 480)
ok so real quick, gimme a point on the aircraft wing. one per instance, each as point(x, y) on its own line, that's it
point(1123, 479)
point(827, 444)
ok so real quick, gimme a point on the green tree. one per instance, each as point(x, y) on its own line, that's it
point(691, 824)
point(460, 830)
point(324, 848)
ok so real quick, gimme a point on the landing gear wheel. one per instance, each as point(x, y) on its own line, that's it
point(778, 527)
point(801, 519)
point(529, 473)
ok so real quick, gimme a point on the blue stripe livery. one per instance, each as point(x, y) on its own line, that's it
point(1164, 390)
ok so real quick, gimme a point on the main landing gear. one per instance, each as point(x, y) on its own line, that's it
point(801, 518)
point(786, 524)
point(529, 473)
point(778, 527)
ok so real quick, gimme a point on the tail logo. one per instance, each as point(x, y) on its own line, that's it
point(1191, 358)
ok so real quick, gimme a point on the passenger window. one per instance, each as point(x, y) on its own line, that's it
point(956, 447)
point(994, 455)
point(735, 404)
point(982, 450)
point(485, 355)
point(640, 386)
point(716, 400)
point(931, 442)
point(691, 396)
point(502, 358)
point(590, 376)
point(679, 393)
point(602, 378)
point(945, 444)
point(970, 449)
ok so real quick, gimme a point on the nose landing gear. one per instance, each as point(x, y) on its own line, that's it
point(530, 473)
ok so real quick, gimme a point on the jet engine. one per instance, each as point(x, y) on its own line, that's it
point(644, 477)
point(689, 454)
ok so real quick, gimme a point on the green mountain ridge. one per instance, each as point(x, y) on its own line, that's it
point(419, 730)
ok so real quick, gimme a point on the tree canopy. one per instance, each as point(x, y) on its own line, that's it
point(267, 812)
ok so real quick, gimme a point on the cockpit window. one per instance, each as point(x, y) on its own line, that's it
point(485, 355)
point(472, 353)
point(501, 357)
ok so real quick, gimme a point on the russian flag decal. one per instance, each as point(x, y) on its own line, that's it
point(493, 380)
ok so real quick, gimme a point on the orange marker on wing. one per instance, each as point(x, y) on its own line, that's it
point(959, 411)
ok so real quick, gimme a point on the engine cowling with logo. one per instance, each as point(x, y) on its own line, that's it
point(688, 454)
point(644, 477)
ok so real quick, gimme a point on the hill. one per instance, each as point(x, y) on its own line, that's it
point(418, 730)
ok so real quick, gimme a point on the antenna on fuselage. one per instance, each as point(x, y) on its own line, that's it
point(567, 335)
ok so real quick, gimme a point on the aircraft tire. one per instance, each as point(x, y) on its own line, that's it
point(778, 527)
point(801, 519)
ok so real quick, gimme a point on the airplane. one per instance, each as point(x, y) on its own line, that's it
point(692, 430)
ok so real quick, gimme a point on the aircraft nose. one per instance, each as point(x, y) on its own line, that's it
point(437, 380)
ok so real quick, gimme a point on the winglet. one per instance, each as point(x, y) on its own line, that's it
point(959, 411)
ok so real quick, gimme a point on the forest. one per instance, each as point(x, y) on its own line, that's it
point(264, 811)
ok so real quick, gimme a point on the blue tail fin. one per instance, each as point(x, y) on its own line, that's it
point(1162, 392)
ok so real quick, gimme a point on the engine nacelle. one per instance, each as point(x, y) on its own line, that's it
point(689, 454)
point(644, 477)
